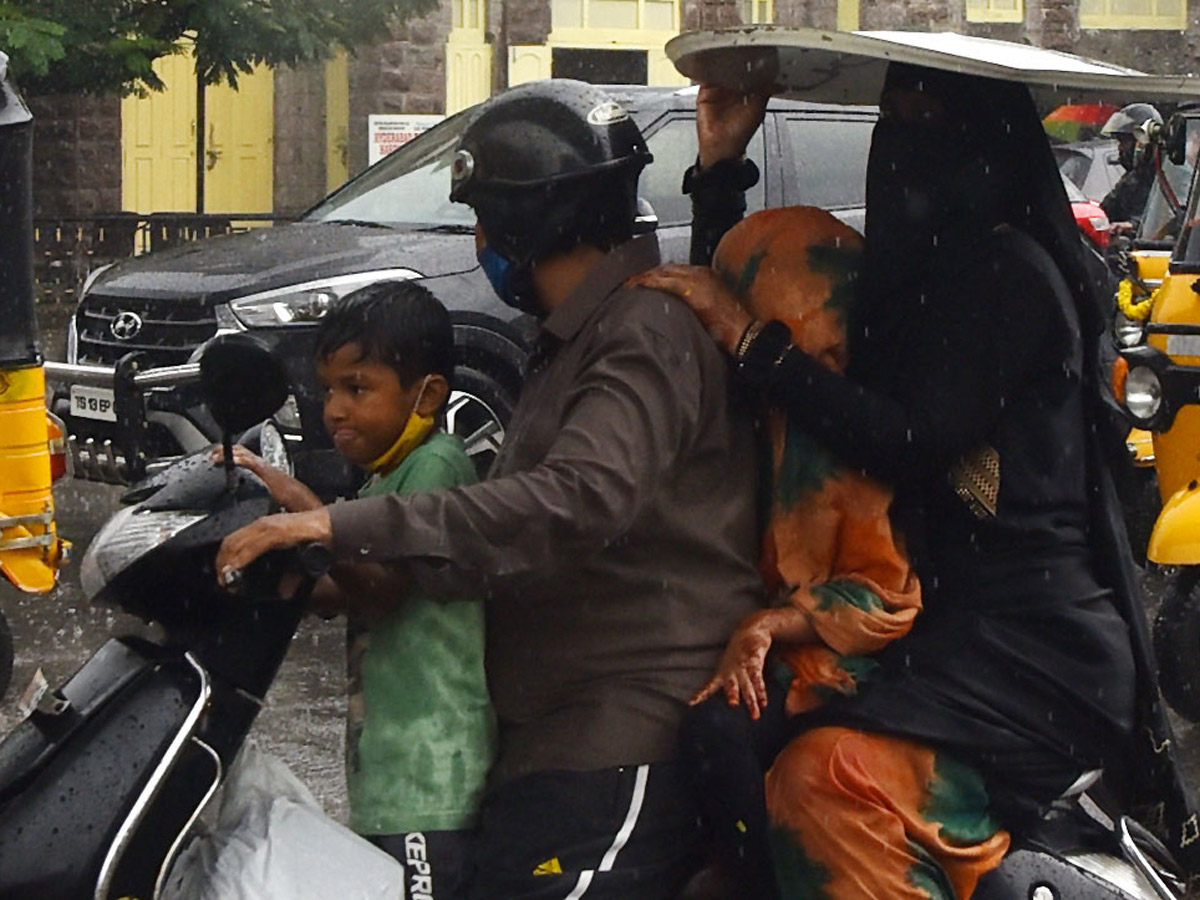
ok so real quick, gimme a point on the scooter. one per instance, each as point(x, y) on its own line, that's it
point(101, 783)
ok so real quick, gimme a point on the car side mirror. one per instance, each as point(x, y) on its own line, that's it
point(1174, 138)
point(646, 220)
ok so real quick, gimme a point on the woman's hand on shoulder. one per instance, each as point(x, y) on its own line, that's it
point(709, 297)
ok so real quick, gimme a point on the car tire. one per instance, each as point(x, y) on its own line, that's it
point(6, 655)
point(478, 411)
point(1177, 644)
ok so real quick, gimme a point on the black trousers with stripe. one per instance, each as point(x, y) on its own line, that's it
point(631, 833)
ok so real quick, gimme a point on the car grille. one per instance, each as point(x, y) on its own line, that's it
point(169, 332)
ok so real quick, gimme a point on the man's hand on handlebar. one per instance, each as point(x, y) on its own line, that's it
point(276, 532)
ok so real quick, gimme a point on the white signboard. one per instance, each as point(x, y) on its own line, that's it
point(386, 133)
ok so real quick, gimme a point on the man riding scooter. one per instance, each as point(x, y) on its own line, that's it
point(1132, 126)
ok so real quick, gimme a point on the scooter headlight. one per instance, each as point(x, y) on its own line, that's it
point(1143, 393)
point(130, 534)
point(1127, 332)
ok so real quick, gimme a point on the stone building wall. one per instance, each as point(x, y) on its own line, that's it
point(711, 14)
point(404, 75)
point(299, 167)
point(921, 15)
point(76, 155)
point(1162, 52)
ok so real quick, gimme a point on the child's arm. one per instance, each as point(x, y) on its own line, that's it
point(288, 492)
point(370, 590)
point(740, 671)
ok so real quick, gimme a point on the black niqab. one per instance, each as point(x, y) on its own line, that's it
point(936, 190)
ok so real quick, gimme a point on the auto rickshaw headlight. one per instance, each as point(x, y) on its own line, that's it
point(1143, 393)
point(1127, 332)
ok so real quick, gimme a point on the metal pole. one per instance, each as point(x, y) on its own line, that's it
point(18, 321)
point(201, 143)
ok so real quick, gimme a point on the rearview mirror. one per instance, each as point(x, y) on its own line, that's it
point(241, 380)
point(1175, 139)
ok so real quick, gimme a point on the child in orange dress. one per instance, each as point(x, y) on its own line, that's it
point(839, 583)
point(840, 588)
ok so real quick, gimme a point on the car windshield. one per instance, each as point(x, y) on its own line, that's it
point(1163, 215)
point(1186, 257)
point(410, 187)
point(1074, 194)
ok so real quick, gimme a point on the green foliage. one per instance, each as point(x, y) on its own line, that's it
point(92, 46)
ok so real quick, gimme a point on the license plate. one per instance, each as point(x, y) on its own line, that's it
point(93, 403)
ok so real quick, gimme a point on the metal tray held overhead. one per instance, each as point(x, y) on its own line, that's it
point(848, 67)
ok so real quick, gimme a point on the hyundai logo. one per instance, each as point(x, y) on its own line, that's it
point(126, 325)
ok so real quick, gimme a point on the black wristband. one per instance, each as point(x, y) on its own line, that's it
point(726, 175)
point(766, 350)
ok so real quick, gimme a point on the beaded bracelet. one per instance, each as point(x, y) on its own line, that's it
point(766, 349)
point(747, 339)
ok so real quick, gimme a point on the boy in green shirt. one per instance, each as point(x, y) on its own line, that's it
point(421, 733)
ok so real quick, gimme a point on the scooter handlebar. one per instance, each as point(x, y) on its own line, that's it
point(310, 559)
point(313, 558)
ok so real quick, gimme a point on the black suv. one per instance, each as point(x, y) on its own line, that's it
point(393, 221)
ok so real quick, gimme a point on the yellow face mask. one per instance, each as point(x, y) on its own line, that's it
point(416, 429)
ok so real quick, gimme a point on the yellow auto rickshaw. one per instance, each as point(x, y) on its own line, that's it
point(30, 549)
point(1157, 379)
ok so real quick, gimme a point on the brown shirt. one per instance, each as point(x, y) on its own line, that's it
point(616, 537)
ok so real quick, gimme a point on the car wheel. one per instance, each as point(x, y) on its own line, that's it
point(6, 655)
point(478, 412)
point(1177, 644)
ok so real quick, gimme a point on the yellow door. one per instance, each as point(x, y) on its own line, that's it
point(239, 145)
point(159, 143)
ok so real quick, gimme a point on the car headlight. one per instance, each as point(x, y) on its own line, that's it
point(1127, 332)
point(1143, 393)
point(300, 304)
point(93, 275)
point(128, 535)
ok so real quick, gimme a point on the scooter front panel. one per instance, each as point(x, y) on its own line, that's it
point(56, 832)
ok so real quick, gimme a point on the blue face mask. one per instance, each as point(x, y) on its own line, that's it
point(507, 281)
point(499, 271)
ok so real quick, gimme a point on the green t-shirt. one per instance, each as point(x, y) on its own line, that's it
point(421, 734)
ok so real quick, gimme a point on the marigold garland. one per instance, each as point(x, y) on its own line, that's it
point(1137, 310)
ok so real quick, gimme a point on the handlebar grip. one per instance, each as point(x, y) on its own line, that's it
point(315, 558)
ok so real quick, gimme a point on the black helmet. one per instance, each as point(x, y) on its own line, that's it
point(1128, 119)
point(1140, 124)
point(548, 164)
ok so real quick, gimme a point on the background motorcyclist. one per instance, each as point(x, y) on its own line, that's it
point(1125, 203)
